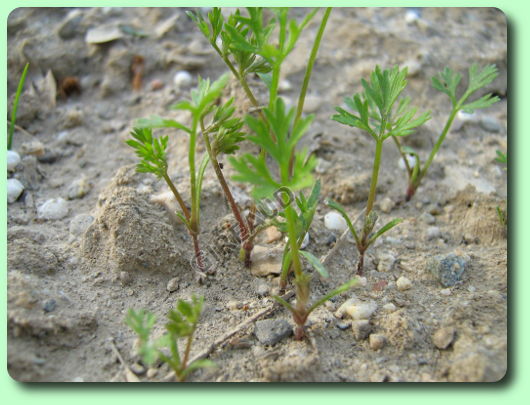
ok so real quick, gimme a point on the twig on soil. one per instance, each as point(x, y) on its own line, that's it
point(223, 339)
point(324, 259)
point(129, 375)
point(19, 128)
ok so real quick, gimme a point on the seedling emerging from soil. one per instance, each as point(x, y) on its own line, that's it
point(379, 112)
point(221, 133)
point(502, 213)
point(15, 107)
point(182, 322)
point(447, 82)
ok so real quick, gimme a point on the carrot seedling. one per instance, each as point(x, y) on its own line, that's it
point(12, 125)
point(381, 113)
point(447, 82)
point(182, 323)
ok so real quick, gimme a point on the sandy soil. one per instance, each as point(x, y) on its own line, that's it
point(72, 279)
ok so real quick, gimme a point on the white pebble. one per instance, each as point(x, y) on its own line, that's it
point(410, 159)
point(285, 85)
point(335, 222)
point(411, 16)
point(403, 283)
point(55, 208)
point(182, 79)
point(312, 104)
point(389, 307)
point(362, 281)
point(361, 310)
point(14, 189)
point(13, 159)
point(433, 232)
point(305, 242)
point(172, 285)
point(445, 291)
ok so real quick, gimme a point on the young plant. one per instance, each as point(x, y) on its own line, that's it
point(221, 132)
point(381, 113)
point(182, 322)
point(447, 82)
point(15, 107)
point(278, 137)
point(502, 214)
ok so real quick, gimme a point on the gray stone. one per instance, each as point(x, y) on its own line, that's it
point(377, 341)
point(361, 329)
point(490, 124)
point(55, 208)
point(14, 190)
point(448, 269)
point(71, 27)
point(443, 337)
point(78, 189)
point(271, 331)
point(172, 285)
point(49, 305)
point(80, 223)
point(433, 232)
point(428, 218)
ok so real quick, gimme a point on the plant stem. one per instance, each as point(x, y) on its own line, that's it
point(244, 232)
point(191, 160)
point(403, 155)
point(15, 106)
point(375, 174)
point(179, 199)
point(310, 64)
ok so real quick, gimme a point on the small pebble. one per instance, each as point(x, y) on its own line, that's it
point(272, 234)
point(152, 372)
point(361, 329)
point(490, 124)
point(390, 307)
point(156, 84)
point(448, 269)
point(172, 285)
point(429, 219)
point(411, 15)
point(73, 118)
point(49, 305)
point(386, 205)
point(182, 79)
point(414, 67)
point(262, 289)
point(271, 331)
point(55, 208)
point(335, 222)
point(403, 283)
point(362, 281)
point(78, 189)
point(361, 310)
point(137, 368)
point(344, 325)
point(433, 232)
point(34, 148)
point(471, 289)
point(386, 262)
point(305, 242)
point(312, 104)
point(446, 291)
point(13, 159)
point(443, 337)
point(14, 190)
point(410, 159)
point(80, 223)
point(285, 85)
point(376, 341)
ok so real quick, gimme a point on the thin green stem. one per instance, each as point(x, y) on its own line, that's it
point(177, 195)
point(310, 64)
point(15, 106)
point(375, 174)
point(403, 155)
point(191, 159)
point(437, 145)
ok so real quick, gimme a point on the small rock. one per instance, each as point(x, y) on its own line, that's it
point(445, 291)
point(362, 281)
point(429, 219)
point(70, 28)
point(272, 234)
point(411, 15)
point(182, 79)
point(34, 148)
point(361, 329)
point(403, 283)
point(262, 288)
point(335, 222)
point(344, 325)
point(322, 166)
point(125, 277)
point(448, 269)
point(152, 372)
point(78, 189)
point(376, 341)
point(361, 310)
point(386, 205)
point(73, 118)
point(156, 84)
point(49, 305)
point(386, 262)
point(490, 124)
point(14, 190)
point(137, 368)
point(285, 85)
point(341, 311)
point(271, 331)
point(312, 104)
point(55, 208)
point(103, 34)
point(266, 261)
point(414, 67)
point(305, 242)
point(13, 159)
point(80, 223)
point(443, 337)
point(411, 160)
point(389, 308)
point(172, 285)
point(433, 232)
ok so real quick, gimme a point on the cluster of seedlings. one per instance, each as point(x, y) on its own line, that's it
point(257, 42)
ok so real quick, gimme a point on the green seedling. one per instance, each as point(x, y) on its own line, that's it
point(12, 125)
point(278, 137)
point(502, 214)
point(381, 113)
point(447, 82)
point(221, 132)
point(182, 323)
